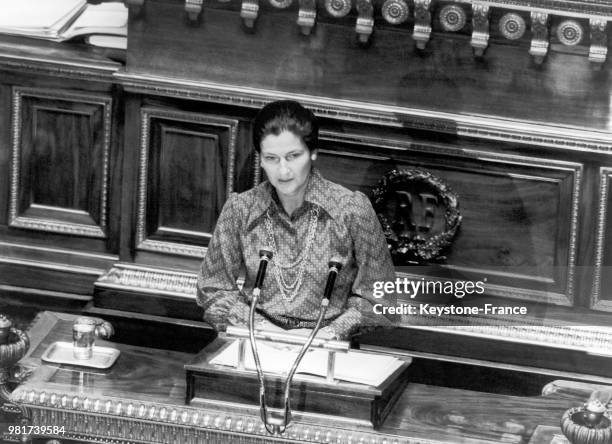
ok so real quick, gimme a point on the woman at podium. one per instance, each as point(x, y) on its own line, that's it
point(306, 221)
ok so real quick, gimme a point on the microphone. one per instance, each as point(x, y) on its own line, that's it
point(264, 257)
point(334, 268)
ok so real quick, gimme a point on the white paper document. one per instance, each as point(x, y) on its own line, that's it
point(60, 20)
point(353, 366)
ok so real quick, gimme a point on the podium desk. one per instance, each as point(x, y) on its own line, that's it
point(140, 399)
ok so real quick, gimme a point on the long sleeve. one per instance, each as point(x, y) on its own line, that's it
point(374, 263)
point(217, 290)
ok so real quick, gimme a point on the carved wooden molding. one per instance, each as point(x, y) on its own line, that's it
point(147, 114)
point(249, 12)
point(307, 16)
point(422, 23)
point(146, 279)
point(596, 340)
point(193, 8)
point(480, 28)
point(522, 133)
point(365, 20)
point(539, 39)
point(597, 303)
point(107, 419)
point(49, 225)
point(598, 50)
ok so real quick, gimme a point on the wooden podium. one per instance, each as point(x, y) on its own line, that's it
point(312, 398)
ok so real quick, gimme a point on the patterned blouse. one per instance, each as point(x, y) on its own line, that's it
point(346, 230)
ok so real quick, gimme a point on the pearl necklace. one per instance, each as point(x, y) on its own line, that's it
point(290, 289)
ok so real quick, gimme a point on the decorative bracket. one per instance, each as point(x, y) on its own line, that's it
point(307, 16)
point(598, 50)
point(249, 12)
point(193, 8)
point(422, 23)
point(480, 28)
point(365, 20)
point(134, 6)
point(539, 39)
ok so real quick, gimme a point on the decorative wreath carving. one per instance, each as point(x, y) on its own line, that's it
point(417, 248)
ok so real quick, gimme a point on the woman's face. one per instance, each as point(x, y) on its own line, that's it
point(287, 162)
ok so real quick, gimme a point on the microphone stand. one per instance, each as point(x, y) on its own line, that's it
point(274, 424)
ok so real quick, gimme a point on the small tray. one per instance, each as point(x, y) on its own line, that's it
point(62, 353)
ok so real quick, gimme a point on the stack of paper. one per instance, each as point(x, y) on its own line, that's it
point(39, 18)
point(60, 20)
point(353, 366)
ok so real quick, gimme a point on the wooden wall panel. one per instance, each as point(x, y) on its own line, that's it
point(601, 299)
point(187, 168)
point(519, 213)
point(60, 162)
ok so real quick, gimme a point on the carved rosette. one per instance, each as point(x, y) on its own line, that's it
point(193, 8)
point(338, 8)
point(452, 18)
point(365, 20)
point(569, 32)
point(598, 50)
point(281, 4)
point(539, 39)
point(307, 16)
point(480, 28)
point(422, 23)
point(512, 26)
point(395, 12)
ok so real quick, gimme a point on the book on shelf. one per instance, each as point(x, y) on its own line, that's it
point(354, 366)
point(60, 20)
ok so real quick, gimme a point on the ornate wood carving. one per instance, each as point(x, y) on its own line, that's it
point(601, 241)
point(411, 235)
point(193, 8)
point(249, 12)
point(422, 23)
point(152, 280)
point(307, 16)
point(569, 32)
point(86, 418)
point(452, 18)
point(480, 28)
point(338, 8)
point(365, 20)
point(150, 206)
point(395, 12)
point(67, 218)
point(468, 126)
point(598, 51)
point(512, 26)
point(539, 39)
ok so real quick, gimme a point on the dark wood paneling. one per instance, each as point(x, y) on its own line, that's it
point(187, 165)
point(60, 162)
point(518, 230)
point(331, 64)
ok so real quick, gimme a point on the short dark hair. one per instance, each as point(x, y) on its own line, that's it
point(286, 115)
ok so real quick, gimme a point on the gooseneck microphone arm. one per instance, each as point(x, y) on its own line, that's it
point(274, 424)
point(334, 269)
point(264, 257)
